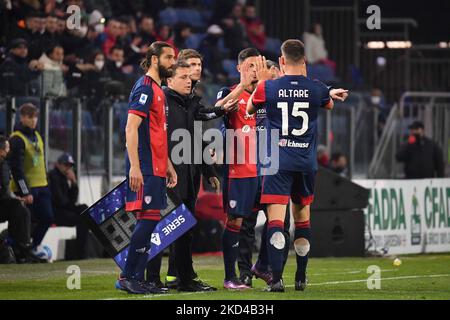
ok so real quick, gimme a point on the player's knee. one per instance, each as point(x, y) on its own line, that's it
point(301, 246)
point(278, 240)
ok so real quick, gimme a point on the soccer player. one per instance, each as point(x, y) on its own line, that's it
point(241, 181)
point(149, 169)
point(292, 103)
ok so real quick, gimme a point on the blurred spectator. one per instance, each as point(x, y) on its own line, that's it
point(254, 27)
point(146, 32)
point(378, 101)
point(182, 33)
point(14, 212)
point(338, 163)
point(315, 50)
point(109, 37)
point(423, 158)
point(95, 78)
point(27, 163)
point(51, 35)
point(115, 62)
point(64, 189)
point(165, 34)
point(16, 72)
point(234, 31)
point(53, 74)
point(212, 57)
point(323, 158)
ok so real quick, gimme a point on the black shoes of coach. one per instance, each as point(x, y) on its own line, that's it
point(195, 286)
point(275, 286)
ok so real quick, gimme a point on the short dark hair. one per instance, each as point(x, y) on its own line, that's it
point(179, 64)
point(155, 49)
point(116, 48)
point(271, 64)
point(293, 50)
point(52, 47)
point(247, 53)
point(187, 54)
point(28, 109)
point(3, 142)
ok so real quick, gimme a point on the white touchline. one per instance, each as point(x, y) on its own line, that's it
point(365, 280)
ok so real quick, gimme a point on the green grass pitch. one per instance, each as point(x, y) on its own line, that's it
point(418, 277)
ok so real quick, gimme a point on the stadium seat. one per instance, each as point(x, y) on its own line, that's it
point(230, 68)
point(321, 72)
point(273, 45)
point(195, 40)
point(193, 17)
point(168, 16)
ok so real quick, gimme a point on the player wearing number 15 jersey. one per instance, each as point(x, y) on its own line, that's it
point(292, 103)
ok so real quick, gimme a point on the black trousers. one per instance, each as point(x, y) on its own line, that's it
point(19, 221)
point(180, 255)
point(70, 217)
point(247, 242)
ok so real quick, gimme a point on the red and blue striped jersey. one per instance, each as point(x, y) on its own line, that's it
point(245, 132)
point(147, 101)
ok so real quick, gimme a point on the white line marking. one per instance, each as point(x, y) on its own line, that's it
point(365, 280)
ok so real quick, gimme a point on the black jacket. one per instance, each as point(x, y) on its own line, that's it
point(423, 159)
point(16, 157)
point(182, 111)
point(15, 76)
point(4, 180)
point(63, 195)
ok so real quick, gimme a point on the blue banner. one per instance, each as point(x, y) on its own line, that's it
point(113, 226)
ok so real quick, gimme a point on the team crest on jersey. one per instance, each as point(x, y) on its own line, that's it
point(233, 204)
point(148, 199)
point(219, 95)
point(156, 239)
point(143, 98)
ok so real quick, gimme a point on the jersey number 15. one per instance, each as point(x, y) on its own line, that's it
point(296, 112)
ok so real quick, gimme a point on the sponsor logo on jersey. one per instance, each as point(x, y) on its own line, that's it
point(292, 144)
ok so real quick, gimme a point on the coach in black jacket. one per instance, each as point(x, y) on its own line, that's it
point(183, 109)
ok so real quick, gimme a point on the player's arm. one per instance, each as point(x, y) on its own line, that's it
point(326, 100)
point(257, 99)
point(132, 138)
point(139, 104)
point(246, 81)
point(329, 105)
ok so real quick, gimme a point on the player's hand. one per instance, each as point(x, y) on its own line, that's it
point(339, 94)
point(70, 174)
point(136, 180)
point(214, 181)
point(28, 199)
point(171, 177)
point(230, 105)
point(262, 72)
point(246, 74)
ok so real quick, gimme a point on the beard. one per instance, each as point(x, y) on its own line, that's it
point(164, 72)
